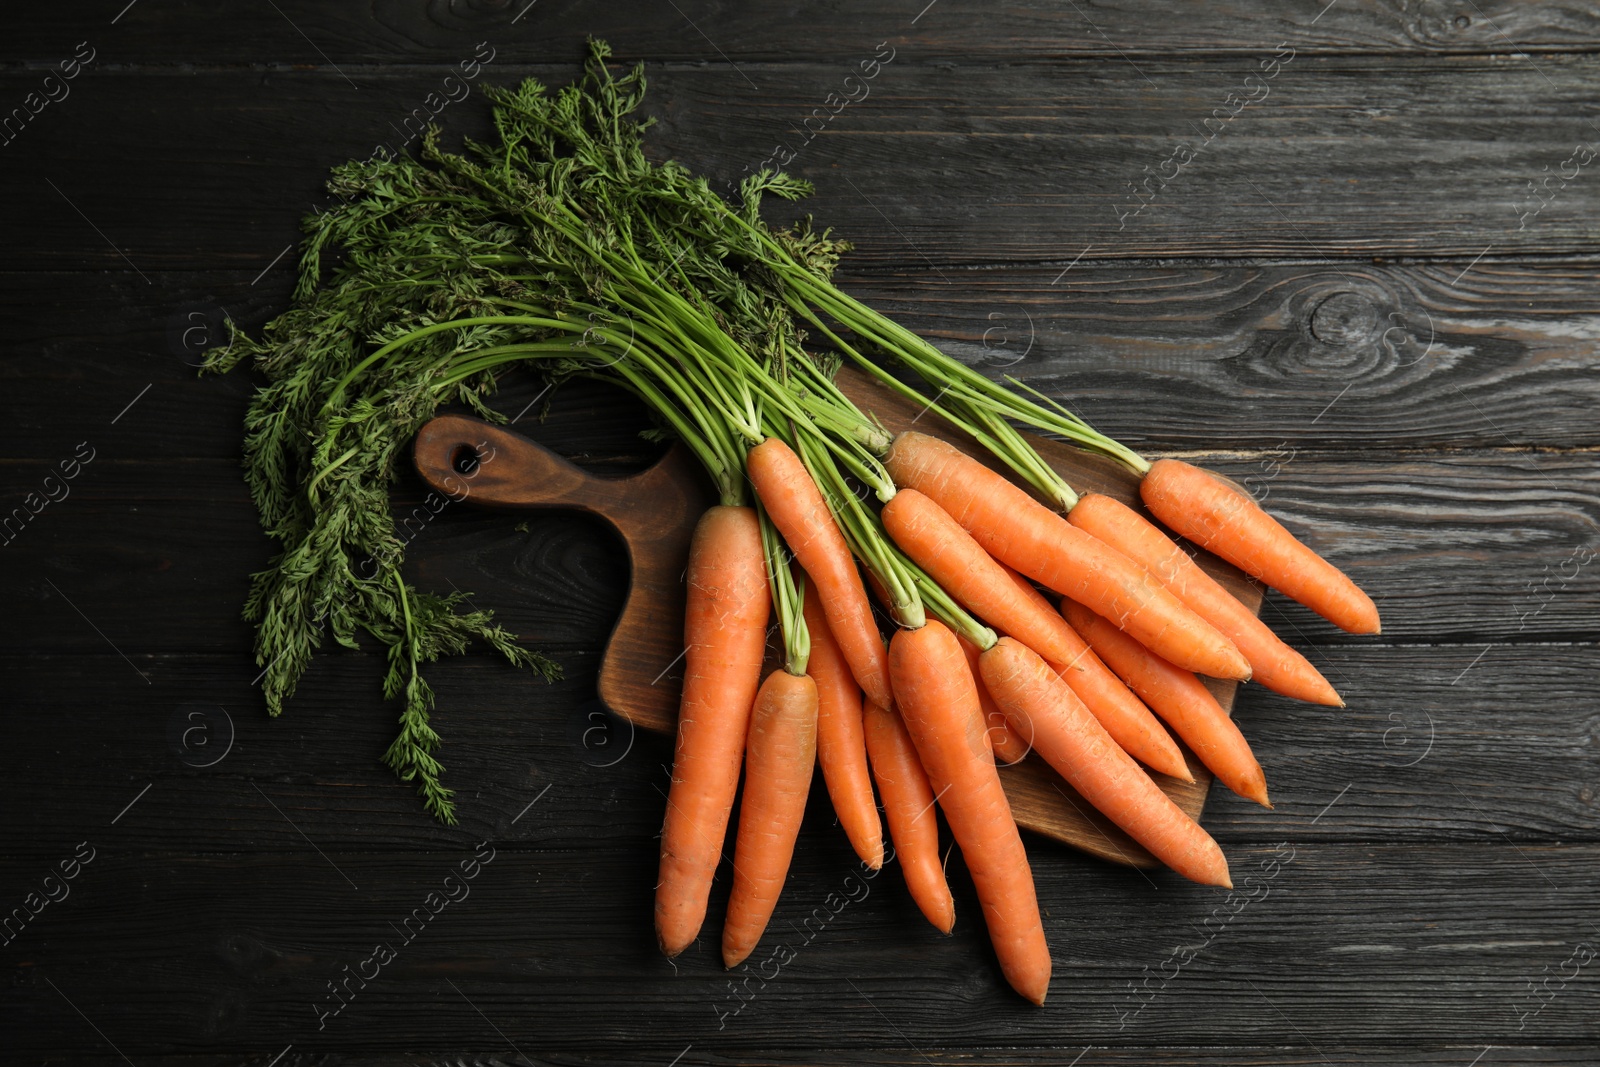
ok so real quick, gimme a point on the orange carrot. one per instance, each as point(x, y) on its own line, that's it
point(908, 803)
point(1041, 705)
point(1272, 663)
point(1003, 598)
point(939, 702)
point(841, 747)
point(951, 556)
point(797, 509)
point(1018, 530)
point(1221, 519)
point(1007, 746)
point(725, 634)
point(779, 756)
point(1124, 715)
point(1181, 699)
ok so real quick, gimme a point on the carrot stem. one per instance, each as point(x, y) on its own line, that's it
point(788, 597)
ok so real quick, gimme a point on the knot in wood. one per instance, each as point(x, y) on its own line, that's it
point(1344, 318)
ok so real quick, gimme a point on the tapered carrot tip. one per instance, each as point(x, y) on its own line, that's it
point(731, 958)
point(1032, 987)
point(680, 939)
point(1031, 984)
point(1255, 788)
point(1177, 770)
point(1309, 685)
point(1168, 762)
point(1326, 695)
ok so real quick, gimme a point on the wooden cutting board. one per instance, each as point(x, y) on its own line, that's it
point(655, 513)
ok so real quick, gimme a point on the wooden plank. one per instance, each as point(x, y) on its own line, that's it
point(1455, 548)
point(1280, 357)
point(305, 33)
point(1272, 357)
point(793, 1055)
point(1366, 945)
point(1029, 162)
point(1423, 753)
point(82, 347)
point(157, 575)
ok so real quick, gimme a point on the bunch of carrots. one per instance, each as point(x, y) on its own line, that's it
point(931, 717)
point(982, 667)
point(562, 245)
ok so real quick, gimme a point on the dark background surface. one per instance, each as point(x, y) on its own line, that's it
point(1346, 298)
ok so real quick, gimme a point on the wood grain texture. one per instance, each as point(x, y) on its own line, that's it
point(211, 965)
point(1266, 357)
point(1280, 358)
point(1346, 158)
point(1332, 1055)
point(312, 35)
point(1511, 750)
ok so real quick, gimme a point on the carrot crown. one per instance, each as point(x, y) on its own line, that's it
point(788, 597)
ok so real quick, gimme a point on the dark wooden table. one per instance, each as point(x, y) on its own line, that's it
point(1338, 285)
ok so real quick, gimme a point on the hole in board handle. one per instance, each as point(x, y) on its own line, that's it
point(465, 460)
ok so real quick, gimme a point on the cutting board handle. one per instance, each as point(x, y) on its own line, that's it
point(654, 512)
point(467, 458)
